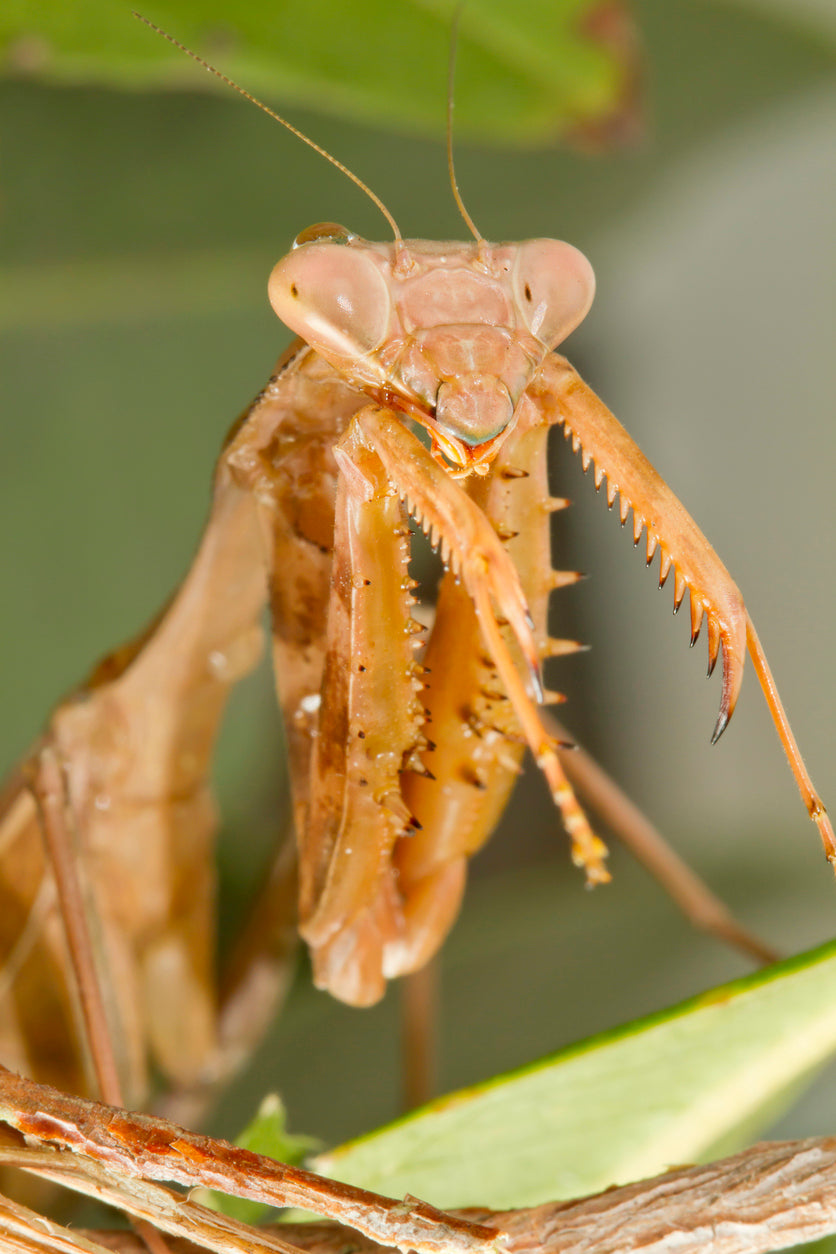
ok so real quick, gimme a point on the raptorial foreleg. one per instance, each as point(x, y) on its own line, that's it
point(564, 398)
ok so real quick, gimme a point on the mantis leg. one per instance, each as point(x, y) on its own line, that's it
point(133, 748)
point(702, 907)
point(369, 724)
point(476, 554)
point(475, 761)
point(478, 743)
point(363, 922)
point(563, 397)
point(127, 759)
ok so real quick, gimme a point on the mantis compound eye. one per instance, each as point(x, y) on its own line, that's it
point(553, 285)
point(333, 296)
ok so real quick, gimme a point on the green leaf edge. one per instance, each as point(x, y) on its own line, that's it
point(328, 1163)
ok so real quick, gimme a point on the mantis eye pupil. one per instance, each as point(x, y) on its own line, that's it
point(554, 286)
point(335, 297)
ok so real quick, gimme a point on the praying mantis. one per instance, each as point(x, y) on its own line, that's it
point(228, 664)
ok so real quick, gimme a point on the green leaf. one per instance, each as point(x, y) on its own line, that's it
point(526, 72)
point(682, 1085)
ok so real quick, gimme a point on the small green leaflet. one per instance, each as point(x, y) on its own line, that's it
point(266, 1134)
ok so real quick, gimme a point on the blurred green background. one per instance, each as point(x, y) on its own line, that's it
point(137, 230)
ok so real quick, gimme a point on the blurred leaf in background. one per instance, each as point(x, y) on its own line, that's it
point(528, 74)
point(137, 230)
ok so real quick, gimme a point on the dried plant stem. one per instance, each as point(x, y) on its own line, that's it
point(769, 1197)
point(135, 1147)
point(145, 1203)
point(766, 1198)
point(23, 1231)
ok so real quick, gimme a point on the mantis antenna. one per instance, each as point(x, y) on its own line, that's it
point(451, 168)
point(277, 117)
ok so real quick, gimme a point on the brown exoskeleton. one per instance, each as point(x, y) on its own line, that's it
point(400, 767)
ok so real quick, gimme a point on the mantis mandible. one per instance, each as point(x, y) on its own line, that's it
point(315, 488)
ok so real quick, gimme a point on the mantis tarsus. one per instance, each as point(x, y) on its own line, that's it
point(227, 663)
